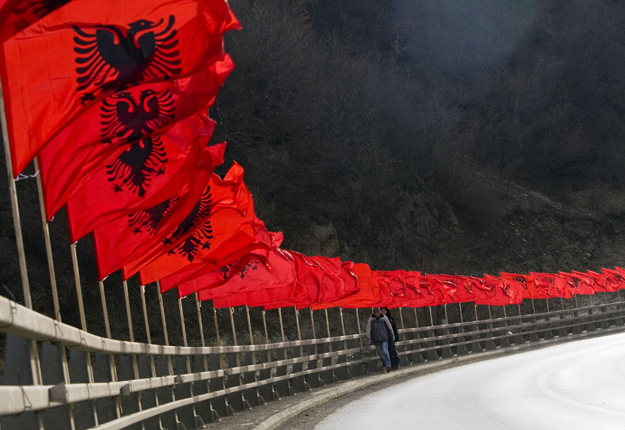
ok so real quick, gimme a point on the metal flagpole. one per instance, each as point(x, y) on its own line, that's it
point(349, 373)
point(170, 367)
point(314, 333)
point(224, 380)
point(112, 366)
point(431, 318)
point(334, 378)
point(32, 345)
point(259, 398)
point(547, 301)
point(291, 390)
point(301, 349)
point(238, 359)
point(148, 336)
point(198, 306)
point(533, 307)
point(53, 285)
point(199, 422)
point(358, 324)
point(83, 323)
point(274, 393)
point(135, 367)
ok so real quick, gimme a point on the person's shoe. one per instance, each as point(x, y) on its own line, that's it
point(396, 367)
point(388, 369)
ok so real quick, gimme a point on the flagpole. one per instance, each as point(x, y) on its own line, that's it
point(301, 349)
point(53, 285)
point(107, 327)
point(149, 340)
point(314, 333)
point(290, 383)
point(198, 306)
point(358, 324)
point(131, 334)
point(334, 378)
point(431, 318)
point(349, 372)
point(274, 393)
point(533, 307)
point(547, 301)
point(196, 418)
point(259, 398)
point(237, 357)
point(170, 367)
point(83, 323)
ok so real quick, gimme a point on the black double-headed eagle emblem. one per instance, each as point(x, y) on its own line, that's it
point(147, 220)
point(110, 55)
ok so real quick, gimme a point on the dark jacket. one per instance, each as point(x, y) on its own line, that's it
point(379, 329)
point(392, 321)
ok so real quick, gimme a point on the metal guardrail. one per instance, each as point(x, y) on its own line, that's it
point(242, 375)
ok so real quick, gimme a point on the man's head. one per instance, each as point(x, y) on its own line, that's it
point(384, 311)
point(376, 312)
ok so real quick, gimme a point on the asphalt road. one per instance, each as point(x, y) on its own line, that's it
point(576, 385)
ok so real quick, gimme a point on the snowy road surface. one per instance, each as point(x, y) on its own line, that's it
point(576, 385)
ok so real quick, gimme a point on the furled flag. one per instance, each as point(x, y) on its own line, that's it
point(221, 222)
point(128, 238)
point(84, 51)
point(123, 134)
point(142, 176)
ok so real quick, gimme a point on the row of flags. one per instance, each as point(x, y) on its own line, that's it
point(113, 98)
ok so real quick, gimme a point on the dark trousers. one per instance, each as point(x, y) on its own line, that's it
point(392, 351)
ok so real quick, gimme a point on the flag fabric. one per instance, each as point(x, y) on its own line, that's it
point(579, 283)
point(59, 66)
point(139, 179)
point(598, 282)
point(126, 239)
point(193, 280)
point(123, 134)
point(369, 293)
point(505, 293)
point(526, 282)
point(16, 15)
point(442, 286)
point(221, 222)
point(555, 284)
point(614, 280)
point(351, 287)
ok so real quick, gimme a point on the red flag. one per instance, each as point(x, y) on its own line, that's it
point(599, 282)
point(386, 295)
point(193, 280)
point(543, 285)
point(416, 295)
point(526, 282)
point(351, 287)
point(481, 291)
point(505, 294)
point(579, 283)
point(368, 295)
point(16, 15)
point(123, 134)
point(138, 180)
point(614, 280)
point(221, 223)
point(82, 52)
point(556, 284)
point(128, 238)
point(443, 286)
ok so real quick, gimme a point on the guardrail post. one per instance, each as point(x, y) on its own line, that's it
point(518, 338)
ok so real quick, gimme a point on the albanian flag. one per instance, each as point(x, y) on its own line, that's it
point(526, 282)
point(16, 15)
point(582, 281)
point(555, 285)
point(126, 239)
point(193, 280)
point(614, 280)
point(75, 56)
point(369, 293)
point(221, 223)
point(351, 287)
point(124, 133)
point(142, 176)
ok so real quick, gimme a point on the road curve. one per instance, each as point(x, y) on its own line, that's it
point(576, 385)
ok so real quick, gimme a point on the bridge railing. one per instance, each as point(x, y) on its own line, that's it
point(144, 385)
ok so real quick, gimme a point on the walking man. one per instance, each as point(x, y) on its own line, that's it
point(379, 332)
